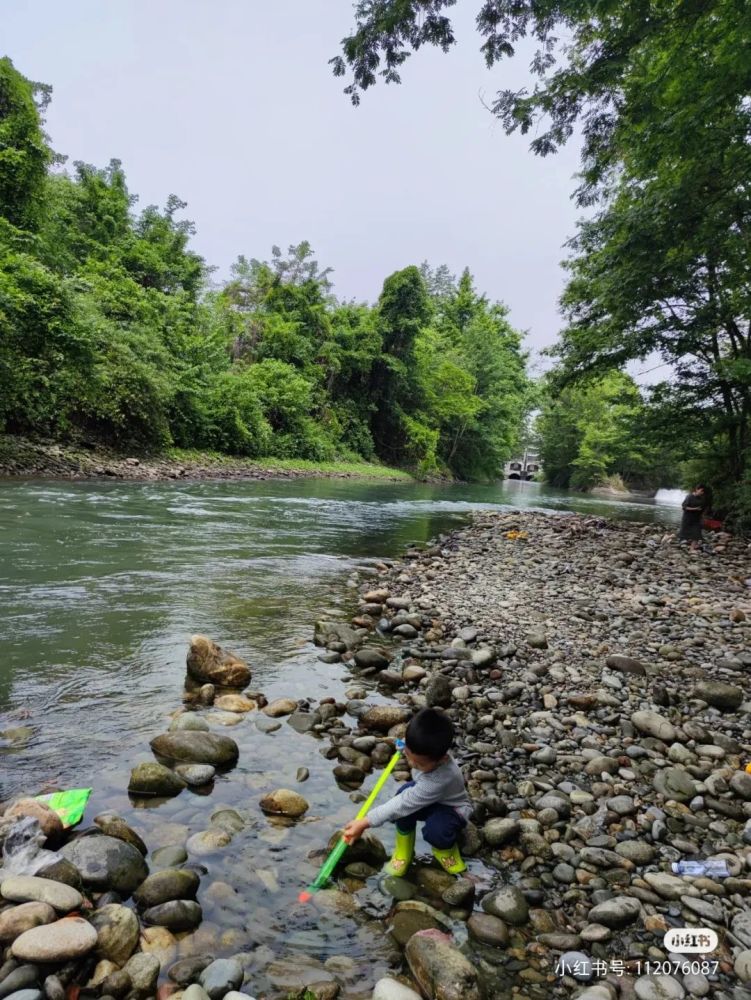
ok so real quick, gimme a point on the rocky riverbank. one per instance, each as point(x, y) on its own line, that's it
point(22, 457)
point(597, 674)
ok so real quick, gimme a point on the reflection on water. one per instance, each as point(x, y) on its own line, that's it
point(101, 585)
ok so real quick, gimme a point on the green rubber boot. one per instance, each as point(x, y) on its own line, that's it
point(402, 856)
point(450, 860)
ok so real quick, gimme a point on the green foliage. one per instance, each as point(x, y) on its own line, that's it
point(593, 432)
point(110, 333)
point(659, 92)
point(24, 154)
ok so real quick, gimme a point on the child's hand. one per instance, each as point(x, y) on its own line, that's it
point(355, 829)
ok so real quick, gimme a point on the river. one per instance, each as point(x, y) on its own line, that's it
point(101, 585)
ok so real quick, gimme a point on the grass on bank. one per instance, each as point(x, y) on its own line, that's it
point(368, 470)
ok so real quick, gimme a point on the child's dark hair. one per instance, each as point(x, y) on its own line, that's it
point(430, 733)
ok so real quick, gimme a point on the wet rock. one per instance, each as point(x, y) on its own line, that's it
point(383, 717)
point(237, 703)
point(227, 819)
point(161, 887)
point(17, 919)
point(196, 775)
point(117, 931)
point(190, 721)
point(107, 863)
point(284, 802)
point(154, 779)
point(370, 659)
point(169, 856)
point(508, 904)
point(304, 722)
point(440, 969)
point(209, 663)
point(405, 923)
point(348, 774)
point(221, 976)
point(29, 888)
point(280, 707)
point(176, 915)
point(143, 971)
point(392, 989)
point(459, 894)
point(65, 939)
point(196, 748)
point(488, 929)
point(332, 631)
point(187, 970)
point(115, 826)
point(207, 841)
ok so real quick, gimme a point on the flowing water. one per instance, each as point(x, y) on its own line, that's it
point(101, 586)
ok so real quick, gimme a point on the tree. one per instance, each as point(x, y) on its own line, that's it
point(613, 68)
point(595, 430)
point(403, 311)
point(659, 91)
point(24, 153)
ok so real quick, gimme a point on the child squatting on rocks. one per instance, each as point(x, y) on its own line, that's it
point(437, 797)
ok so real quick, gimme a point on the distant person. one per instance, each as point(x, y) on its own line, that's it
point(437, 797)
point(694, 506)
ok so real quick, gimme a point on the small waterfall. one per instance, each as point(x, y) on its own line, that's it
point(673, 498)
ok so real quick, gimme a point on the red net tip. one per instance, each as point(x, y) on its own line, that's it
point(304, 897)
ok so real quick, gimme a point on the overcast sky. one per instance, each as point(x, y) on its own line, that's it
point(231, 105)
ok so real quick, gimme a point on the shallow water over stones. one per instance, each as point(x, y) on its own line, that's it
point(115, 641)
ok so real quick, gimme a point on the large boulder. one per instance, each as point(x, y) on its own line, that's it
point(210, 664)
point(106, 863)
point(440, 969)
point(150, 778)
point(196, 748)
